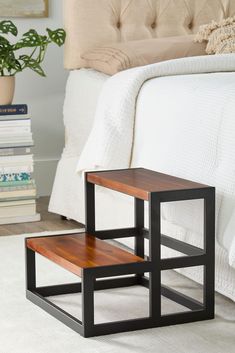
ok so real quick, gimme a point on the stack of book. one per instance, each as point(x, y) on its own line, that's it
point(17, 186)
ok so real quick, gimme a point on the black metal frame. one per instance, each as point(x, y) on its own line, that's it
point(153, 265)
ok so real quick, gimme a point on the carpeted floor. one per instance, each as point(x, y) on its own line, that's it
point(24, 328)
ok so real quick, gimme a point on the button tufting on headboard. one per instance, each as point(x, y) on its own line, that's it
point(190, 26)
point(90, 23)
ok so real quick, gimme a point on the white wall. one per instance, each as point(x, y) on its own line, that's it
point(45, 99)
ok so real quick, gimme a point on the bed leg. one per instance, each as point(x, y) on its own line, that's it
point(63, 218)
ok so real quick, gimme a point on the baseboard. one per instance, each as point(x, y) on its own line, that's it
point(44, 173)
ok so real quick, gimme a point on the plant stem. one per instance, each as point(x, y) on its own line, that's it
point(24, 66)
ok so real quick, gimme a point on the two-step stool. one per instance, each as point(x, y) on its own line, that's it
point(90, 257)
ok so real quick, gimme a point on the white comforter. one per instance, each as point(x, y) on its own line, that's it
point(211, 159)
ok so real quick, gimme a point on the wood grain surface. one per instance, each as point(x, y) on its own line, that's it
point(79, 251)
point(140, 182)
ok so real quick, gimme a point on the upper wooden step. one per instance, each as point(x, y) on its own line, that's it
point(79, 251)
point(139, 182)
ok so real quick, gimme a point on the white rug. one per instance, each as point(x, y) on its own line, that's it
point(25, 328)
point(56, 232)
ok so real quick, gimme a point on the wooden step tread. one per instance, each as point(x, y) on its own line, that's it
point(79, 251)
point(139, 182)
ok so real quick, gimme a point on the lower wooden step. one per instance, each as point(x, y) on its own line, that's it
point(79, 251)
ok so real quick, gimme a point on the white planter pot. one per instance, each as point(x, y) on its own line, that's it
point(7, 89)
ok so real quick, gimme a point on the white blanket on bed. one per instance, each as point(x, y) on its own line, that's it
point(109, 145)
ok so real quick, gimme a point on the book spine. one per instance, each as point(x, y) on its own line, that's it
point(7, 184)
point(17, 188)
point(7, 152)
point(18, 203)
point(18, 198)
point(15, 130)
point(17, 144)
point(25, 219)
point(16, 109)
point(5, 160)
point(4, 118)
point(16, 169)
point(25, 136)
point(28, 210)
point(15, 123)
point(18, 193)
point(9, 177)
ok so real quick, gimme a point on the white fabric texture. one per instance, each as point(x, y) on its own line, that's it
point(206, 124)
point(82, 93)
point(191, 146)
point(110, 142)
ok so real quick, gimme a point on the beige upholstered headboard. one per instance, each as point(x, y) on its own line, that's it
point(90, 23)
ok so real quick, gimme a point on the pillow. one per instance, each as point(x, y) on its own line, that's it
point(113, 58)
point(219, 35)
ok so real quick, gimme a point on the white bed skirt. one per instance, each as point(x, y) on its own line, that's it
point(116, 211)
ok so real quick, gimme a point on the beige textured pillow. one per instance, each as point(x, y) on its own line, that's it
point(219, 35)
point(116, 57)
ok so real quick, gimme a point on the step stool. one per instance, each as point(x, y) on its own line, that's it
point(90, 257)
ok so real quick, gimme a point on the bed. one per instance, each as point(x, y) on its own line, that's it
point(154, 138)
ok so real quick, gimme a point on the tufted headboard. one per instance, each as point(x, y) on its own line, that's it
point(90, 23)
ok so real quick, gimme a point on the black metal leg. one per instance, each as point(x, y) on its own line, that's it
point(90, 206)
point(209, 246)
point(123, 325)
point(30, 273)
point(155, 257)
point(88, 303)
point(139, 225)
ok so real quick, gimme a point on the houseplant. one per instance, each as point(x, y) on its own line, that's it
point(26, 53)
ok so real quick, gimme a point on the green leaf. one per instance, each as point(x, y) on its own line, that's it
point(18, 66)
point(30, 39)
point(44, 40)
point(13, 64)
point(24, 58)
point(5, 44)
point(58, 36)
point(8, 27)
point(6, 55)
point(38, 69)
point(9, 62)
point(32, 64)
